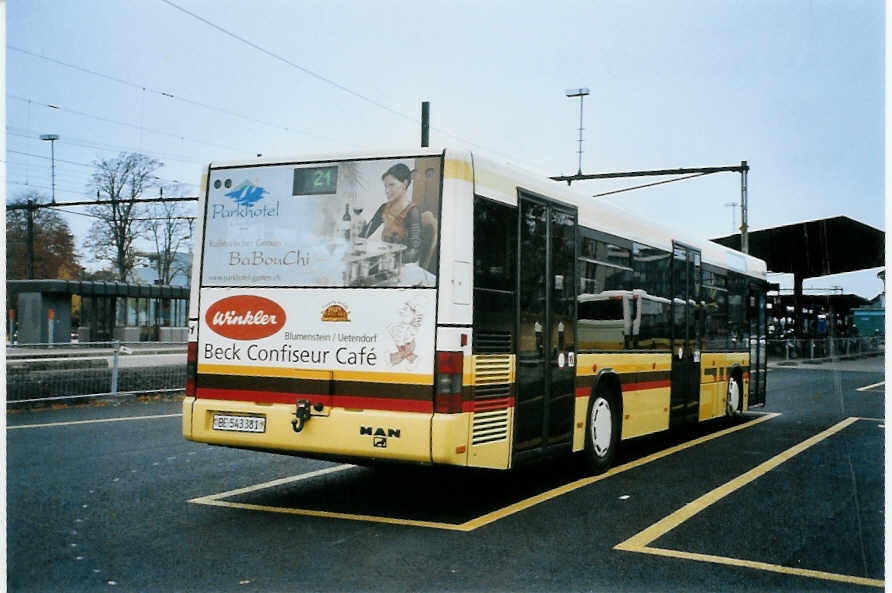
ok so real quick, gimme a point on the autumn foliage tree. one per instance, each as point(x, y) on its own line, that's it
point(119, 181)
point(55, 256)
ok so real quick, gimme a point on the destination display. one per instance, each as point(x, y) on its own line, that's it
point(316, 180)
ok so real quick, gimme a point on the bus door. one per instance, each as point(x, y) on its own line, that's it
point(546, 345)
point(758, 324)
point(686, 336)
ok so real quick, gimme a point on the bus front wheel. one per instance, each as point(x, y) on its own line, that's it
point(602, 433)
point(732, 398)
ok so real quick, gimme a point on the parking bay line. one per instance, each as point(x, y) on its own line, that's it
point(96, 421)
point(472, 524)
point(640, 541)
point(869, 387)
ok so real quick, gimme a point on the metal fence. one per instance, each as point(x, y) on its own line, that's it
point(46, 373)
point(817, 348)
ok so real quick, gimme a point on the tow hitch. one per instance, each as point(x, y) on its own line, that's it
point(301, 415)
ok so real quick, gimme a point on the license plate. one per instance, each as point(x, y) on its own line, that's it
point(239, 423)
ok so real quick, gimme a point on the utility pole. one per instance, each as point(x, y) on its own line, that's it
point(744, 228)
point(425, 123)
point(581, 93)
point(29, 271)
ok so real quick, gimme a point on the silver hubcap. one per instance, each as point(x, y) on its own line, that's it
point(733, 396)
point(601, 426)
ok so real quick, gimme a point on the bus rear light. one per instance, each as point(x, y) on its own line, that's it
point(191, 368)
point(448, 393)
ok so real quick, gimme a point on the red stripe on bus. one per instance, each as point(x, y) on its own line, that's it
point(382, 403)
point(343, 401)
point(586, 391)
point(645, 385)
point(488, 405)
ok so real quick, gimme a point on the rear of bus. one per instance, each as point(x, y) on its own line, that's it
point(313, 310)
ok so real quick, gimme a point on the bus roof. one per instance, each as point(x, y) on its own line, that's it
point(499, 181)
point(328, 157)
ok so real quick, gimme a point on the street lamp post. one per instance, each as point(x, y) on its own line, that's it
point(733, 205)
point(51, 138)
point(581, 93)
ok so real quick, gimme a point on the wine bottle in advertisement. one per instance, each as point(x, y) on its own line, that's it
point(357, 228)
point(345, 222)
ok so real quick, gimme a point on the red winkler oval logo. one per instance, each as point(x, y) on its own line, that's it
point(245, 317)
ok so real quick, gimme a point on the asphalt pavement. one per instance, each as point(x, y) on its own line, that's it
point(789, 498)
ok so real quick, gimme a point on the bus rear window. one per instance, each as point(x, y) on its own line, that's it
point(342, 224)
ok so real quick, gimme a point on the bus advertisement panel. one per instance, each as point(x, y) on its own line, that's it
point(339, 224)
point(361, 331)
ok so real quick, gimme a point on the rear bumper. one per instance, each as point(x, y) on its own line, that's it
point(379, 434)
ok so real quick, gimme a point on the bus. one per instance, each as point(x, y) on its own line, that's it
point(434, 306)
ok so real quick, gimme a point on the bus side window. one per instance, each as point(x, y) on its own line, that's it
point(651, 275)
point(738, 325)
point(606, 308)
point(495, 264)
point(715, 297)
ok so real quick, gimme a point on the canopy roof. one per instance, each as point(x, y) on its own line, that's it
point(98, 288)
point(816, 247)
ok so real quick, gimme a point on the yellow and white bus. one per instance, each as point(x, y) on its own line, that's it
point(437, 307)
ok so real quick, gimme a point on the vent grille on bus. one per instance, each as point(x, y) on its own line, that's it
point(490, 427)
point(492, 398)
point(492, 369)
point(494, 342)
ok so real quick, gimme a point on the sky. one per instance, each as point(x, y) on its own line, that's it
point(795, 88)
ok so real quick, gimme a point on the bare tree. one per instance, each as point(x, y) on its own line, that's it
point(120, 180)
point(170, 230)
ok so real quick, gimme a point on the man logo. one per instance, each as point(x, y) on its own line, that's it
point(379, 435)
point(379, 432)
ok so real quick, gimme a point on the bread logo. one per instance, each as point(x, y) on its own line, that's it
point(245, 317)
point(336, 312)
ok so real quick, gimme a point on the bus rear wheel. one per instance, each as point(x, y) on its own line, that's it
point(732, 398)
point(602, 433)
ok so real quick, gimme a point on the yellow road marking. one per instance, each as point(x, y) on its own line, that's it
point(92, 421)
point(639, 542)
point(815, 574)
point(332, 515)
point(555, 492)
point(215, 499)
point(868, 387)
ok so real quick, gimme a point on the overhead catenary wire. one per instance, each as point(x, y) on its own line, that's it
point(86, 165)
point(140, 219)
point(242, 116)
point(103, 147)
point(320, 77)
point(288, 62)
point(625, 189)
point(120, 123)
point(168, 95)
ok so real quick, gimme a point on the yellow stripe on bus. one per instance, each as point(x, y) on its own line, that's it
point(454, 169)
point(259, 371)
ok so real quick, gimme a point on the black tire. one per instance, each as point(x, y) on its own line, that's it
point(733, 401)
point(600, 448)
